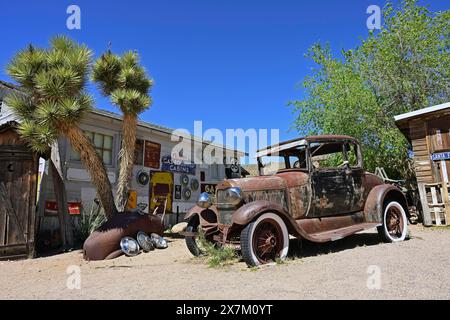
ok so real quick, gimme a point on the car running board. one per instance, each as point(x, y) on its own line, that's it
point(338, 234)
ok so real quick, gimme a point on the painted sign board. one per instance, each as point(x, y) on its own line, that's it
point(51, 208)
point(152, 154)
point(440, 156)
point(177, 166)
point(161, 189)
point(208, 187)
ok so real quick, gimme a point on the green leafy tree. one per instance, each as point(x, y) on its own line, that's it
point(126, 82)
point(400, 68)
point(54, 102)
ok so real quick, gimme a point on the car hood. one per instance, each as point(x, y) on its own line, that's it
point(279, 181)
point(255, 183)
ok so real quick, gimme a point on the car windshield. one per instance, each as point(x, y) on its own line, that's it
point(294, 158)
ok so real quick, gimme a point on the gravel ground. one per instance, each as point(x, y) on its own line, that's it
point(415, 269)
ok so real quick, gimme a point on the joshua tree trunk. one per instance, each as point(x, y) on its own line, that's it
point(94, 166)
point(126, 159)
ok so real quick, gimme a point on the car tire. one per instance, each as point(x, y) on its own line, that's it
point(191, 242)
point(267, 231)
point(394, 226)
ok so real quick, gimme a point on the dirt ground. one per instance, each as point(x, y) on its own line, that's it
point(415, 269)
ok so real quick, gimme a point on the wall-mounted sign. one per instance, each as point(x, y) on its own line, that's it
point(132, 200)
point(152, 154)
point(194, 184)
point(208, 187)
point(440, 156)
point(51, 208)
point(177, 191)
point(142, 178)
point(187, 194)
point(177, 166)
point(161, 190)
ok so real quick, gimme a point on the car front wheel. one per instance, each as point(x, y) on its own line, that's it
point(192, 242)
point(395, 223)
point(264, 240)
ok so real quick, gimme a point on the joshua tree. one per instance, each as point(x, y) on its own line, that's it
point(54, 103)
point(126, 82)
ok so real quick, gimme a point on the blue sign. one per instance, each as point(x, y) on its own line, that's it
point(440, 156)
point(177, 166)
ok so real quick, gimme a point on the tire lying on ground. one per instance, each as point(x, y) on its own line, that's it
point(104, 243)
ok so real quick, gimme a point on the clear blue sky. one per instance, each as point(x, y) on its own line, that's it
point(232, 64)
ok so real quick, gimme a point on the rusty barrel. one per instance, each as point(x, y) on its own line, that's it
point(105, 241)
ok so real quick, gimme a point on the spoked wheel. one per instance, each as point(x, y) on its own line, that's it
point(395, 223)
point(264, 240)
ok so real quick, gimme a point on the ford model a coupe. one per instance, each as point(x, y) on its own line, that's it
point(312, 188)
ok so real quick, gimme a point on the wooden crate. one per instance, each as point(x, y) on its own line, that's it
point(436, 210)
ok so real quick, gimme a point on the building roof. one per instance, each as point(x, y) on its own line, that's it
point(166, 130)
point(402, 120)
point(143, 124)
point(421, 112)
point(9, 85)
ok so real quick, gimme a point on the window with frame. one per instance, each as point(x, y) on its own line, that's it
point(352, 155)
point(103, 144)
point(327, 155)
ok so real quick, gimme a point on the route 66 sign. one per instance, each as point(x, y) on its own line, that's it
point(234, 165)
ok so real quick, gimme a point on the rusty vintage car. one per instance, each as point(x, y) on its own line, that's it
point(312, 188)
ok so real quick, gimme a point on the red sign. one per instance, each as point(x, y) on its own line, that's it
point(51, 208)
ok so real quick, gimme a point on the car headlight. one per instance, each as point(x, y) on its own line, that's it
point(230, 196)
point(204, 201)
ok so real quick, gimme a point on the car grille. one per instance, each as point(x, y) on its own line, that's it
point(225, 215)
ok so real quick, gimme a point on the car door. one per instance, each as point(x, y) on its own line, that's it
point(331, 186)
point(355, 176)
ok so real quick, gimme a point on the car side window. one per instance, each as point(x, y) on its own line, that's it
point(326, 156)
point(352, 155)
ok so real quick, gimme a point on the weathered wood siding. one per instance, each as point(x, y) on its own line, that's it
point(18, 182)
point(420, 145)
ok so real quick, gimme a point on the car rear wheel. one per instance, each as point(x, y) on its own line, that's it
point(264, 240)
point(395, 223)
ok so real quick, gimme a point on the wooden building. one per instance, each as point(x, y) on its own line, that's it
point(428, 130)
point(18, 183)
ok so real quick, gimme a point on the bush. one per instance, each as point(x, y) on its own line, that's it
point(89, 221)
point(216, 256)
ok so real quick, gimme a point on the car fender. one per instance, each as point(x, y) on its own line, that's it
point(373, 208)
point(207, 217)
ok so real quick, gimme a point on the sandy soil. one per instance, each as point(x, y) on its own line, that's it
point(415, 269)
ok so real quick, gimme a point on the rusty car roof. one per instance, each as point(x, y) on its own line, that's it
point(285, 145)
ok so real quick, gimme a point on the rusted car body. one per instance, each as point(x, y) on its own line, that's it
point(311, 196)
